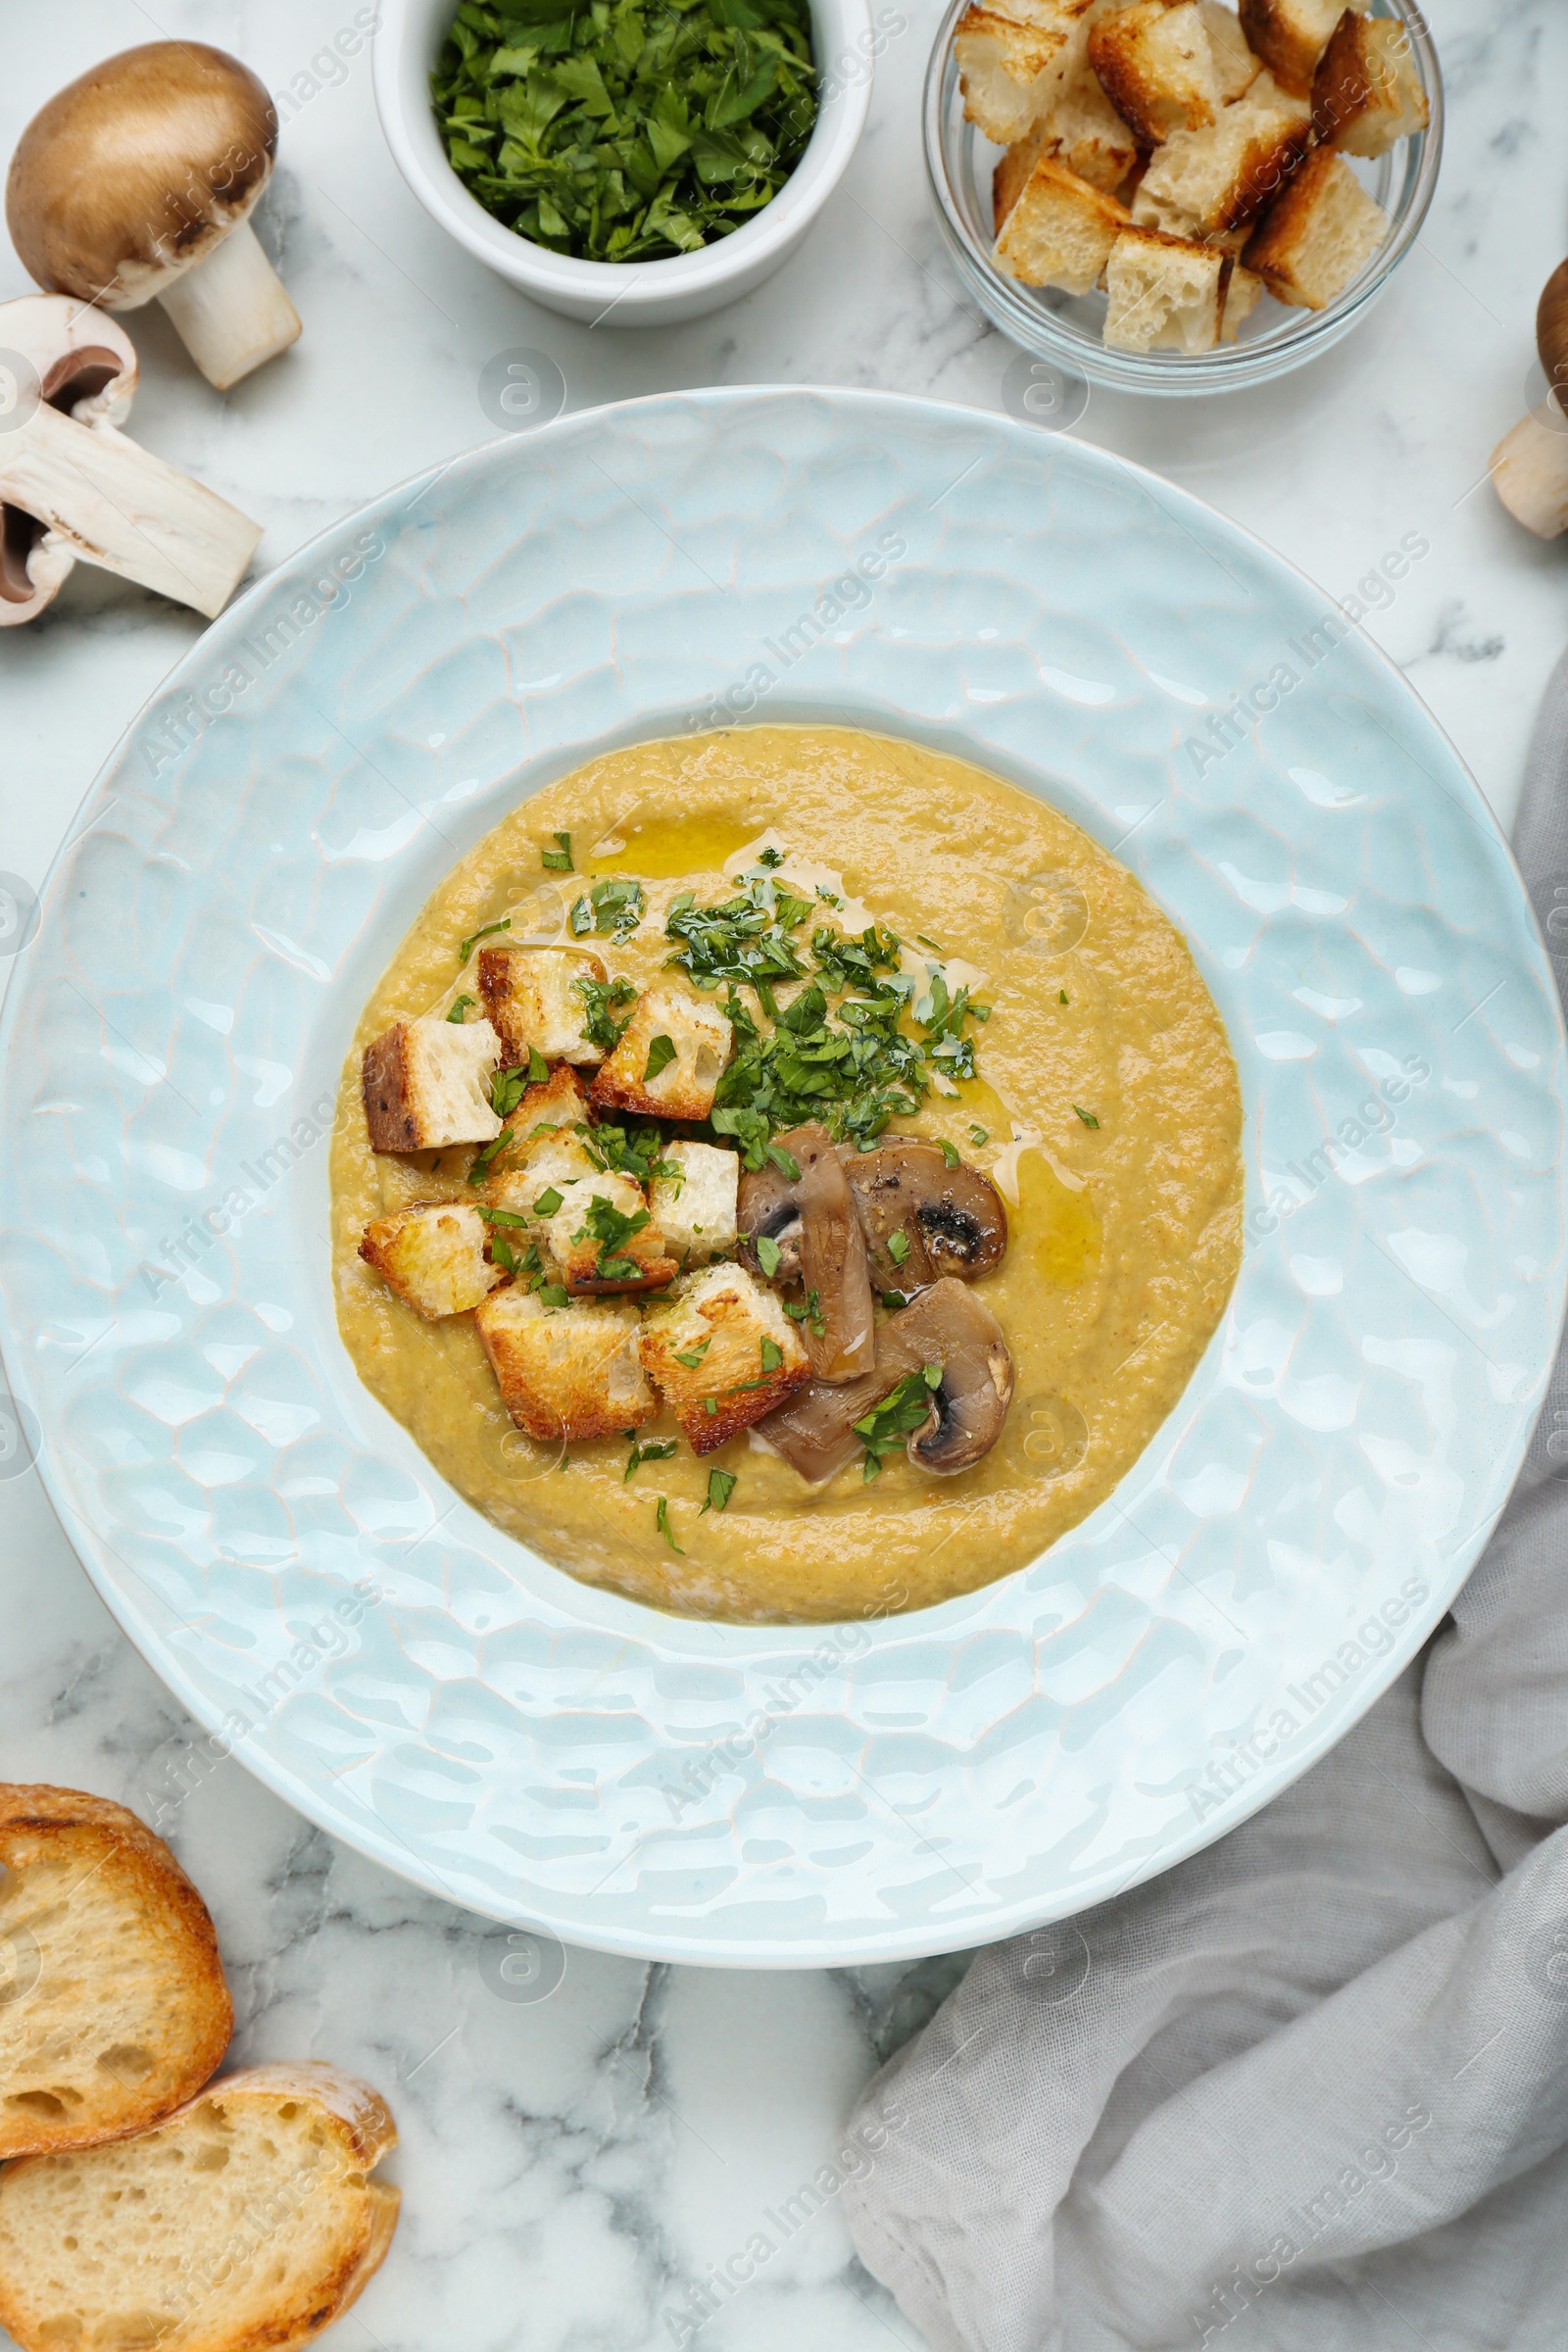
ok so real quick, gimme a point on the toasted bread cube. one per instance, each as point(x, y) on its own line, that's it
point(1011, 176)
point(565, 1372)
point(531, 997)
point(1290, 37)
point(426, 1083)
point(695, 1212)
point(1242, 298)
point(558, 1159)
point(1166, 293)
point(590, 1263)
point(1366, 92)
point(1155, 67)
point(721, 1354)
point(433, 1256)
point(558, 1101)
point(641, 1075)
point(1236, 69)
point(1059, 232)
point(1318, 236)
point(1208, 183)
point(1084, 132)
point(1009, 73)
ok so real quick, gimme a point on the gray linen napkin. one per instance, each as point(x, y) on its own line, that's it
point(1310, 2093)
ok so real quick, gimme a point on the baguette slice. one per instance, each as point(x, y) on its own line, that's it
point(244, 2219)
point(113, 2004)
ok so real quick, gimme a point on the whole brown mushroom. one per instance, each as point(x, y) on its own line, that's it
point(136, 183)
point(1530, 465)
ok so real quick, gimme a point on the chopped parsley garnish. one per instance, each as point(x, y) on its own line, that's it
point(558, 861)
point(721, 1485)
point(770, 856)
point(1062, 995)
point(612, 1229)
point(553, 1294)
point(612, 135)
point(898, 1245)
point(978, 1136)
point(629, 1151)
point(1088, 1117)
point(502, 1253)
point(691, 1357)
point(502, 1216)
point(809, 1310)
point(472, 942)
point(950, 1152)
point(657, 1449)
point(785, 1161)
point(661, 1053)
point(507, 1090)
point(460, 1005)
point(661, 1522)
point(769, 1256)
point(603, 998)
point(772, 1355)
point(538, 1067)
point(581, 920)
point(923, 940)
point(893, 1298)
point(547, 1203)
point(744, 939)
point(884, 1429)
point(618, 905)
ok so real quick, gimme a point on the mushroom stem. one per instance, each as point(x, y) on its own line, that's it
point(230, 310)
point(1530, 472)
point(117, 506)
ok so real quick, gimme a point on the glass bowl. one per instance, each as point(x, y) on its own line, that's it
point(1068, 329)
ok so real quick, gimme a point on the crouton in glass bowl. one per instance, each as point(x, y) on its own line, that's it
point(1153, 244)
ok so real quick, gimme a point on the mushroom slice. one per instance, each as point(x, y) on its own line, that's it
point(951, 1218)
point(815, 1212)
point(947, 1324)
point(72, 486)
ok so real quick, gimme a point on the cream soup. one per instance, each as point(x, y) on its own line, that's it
point(1105, 1106)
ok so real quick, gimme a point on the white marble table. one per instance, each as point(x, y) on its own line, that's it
point(572, 2165)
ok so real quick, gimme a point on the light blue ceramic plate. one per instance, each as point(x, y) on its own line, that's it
point(474, 1718)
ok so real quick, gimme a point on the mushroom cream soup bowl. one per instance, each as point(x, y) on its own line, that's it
point(436, 1692)
point(665, 293)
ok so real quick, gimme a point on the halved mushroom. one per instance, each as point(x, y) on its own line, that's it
point(951, 1218)
point(812, 1217)
point(947, 1324)
point(136, 183)
point(72, 486)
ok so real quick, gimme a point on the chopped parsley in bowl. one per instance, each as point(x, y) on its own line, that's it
point(614, 132)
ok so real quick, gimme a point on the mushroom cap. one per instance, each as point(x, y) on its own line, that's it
point(815, 1221)
point(136, 170)
point(952, 1218)
point(86, 367)
point(947, 1324)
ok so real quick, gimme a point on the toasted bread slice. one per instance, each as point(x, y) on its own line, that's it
point(1210, 183)
point(1060, 230)
point(1155, 67)
point(1009, 72)
point(643, 1075)
point(1236, 68)
point(433, 1257)
point(426, 1084)
point(695, 1211)
point(1366, 92)
point(532, 1000)
point(1166, 293)
point(595, 1258)
point(565, 1372)
point(1290, 37)
point(245, 2219)
point(722, 1354)
point(1318, 236)
point(113, 2004)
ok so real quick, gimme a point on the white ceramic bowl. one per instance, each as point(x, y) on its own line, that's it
point(639, 293)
